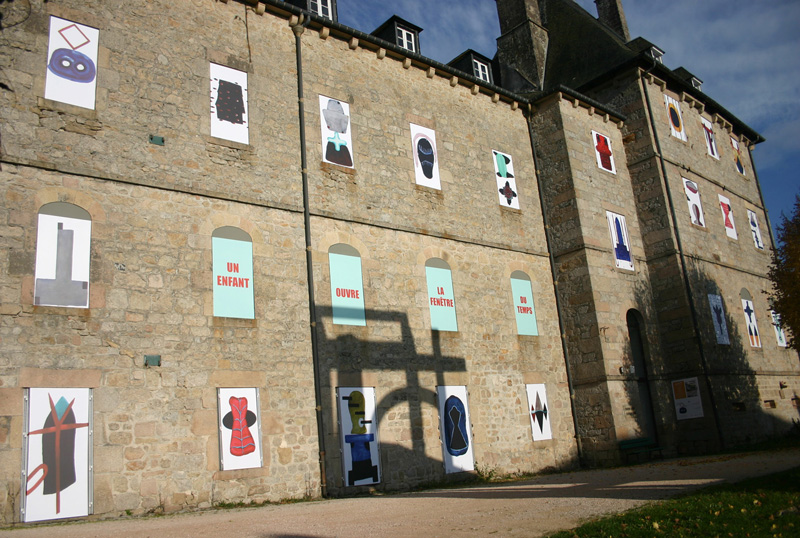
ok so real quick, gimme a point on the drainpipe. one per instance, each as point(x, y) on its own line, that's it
point(561, 331)
point(298, 29)
point(684, 271)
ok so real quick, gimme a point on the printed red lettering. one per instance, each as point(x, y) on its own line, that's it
point(523, 300)
point(233, 267)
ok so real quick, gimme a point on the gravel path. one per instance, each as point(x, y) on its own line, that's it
point(531, 508)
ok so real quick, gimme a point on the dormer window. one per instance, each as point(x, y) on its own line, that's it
point(481, 70)
point(656, 53)
point(399, 32)
point(321, 8)
point(697, 83)
point(405, 39)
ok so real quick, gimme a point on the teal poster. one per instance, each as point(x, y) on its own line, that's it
point(523, 306)
point(347, 291)
point(441, 299)
point(233, 278)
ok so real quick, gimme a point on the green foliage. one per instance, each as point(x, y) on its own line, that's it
point(785, 275)
point(767, 506)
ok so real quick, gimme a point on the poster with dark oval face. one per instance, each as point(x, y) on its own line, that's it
point(71, 63)
point(455, 429)
point(675, 118)
point(426, 156)
point(58, 454)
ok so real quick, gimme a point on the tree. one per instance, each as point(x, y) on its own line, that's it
point(784, 272)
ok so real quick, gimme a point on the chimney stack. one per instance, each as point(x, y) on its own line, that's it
point(522, 45)
point(610, 13)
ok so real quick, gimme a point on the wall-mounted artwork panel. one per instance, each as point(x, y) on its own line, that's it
point(727, 217)
point(506, 182)
point(676, 127)
point(718, 317)
point(738, 161)
point(441, 299)
point(239, 428)
point(620, 241)
point(426, 156)
point(337, 141)
point(63, 254)
point(603, 152)
point(58, 454)
point(750, 318)
point(755, 229)
point(539, 411)
point(711, 140)
point(692, 192)
point(71, 63)
point(232, 270)
point(358, 432)
point(780, 337)
point(347, 289)
point(524, 309)
point(686, 393)
point(455, 429)
point(230, 118)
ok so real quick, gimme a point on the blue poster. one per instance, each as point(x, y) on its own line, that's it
point(232, 268)
point(441, 299)
point(523, 307)
point(347, 290)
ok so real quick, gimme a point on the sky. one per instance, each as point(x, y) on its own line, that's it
point(746, 53)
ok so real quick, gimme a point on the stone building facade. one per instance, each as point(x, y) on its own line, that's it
point(159, 186)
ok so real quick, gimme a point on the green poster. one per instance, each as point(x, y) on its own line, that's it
point(233, 278)
point(347, 291)
point(523, 307)
point(441, 299)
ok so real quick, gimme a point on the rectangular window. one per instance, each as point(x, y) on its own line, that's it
point(405, 39)
point(321, 7)
point(481, 70)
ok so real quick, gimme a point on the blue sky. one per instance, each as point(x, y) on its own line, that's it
point(747, 54)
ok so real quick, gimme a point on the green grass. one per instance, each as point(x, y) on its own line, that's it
point(767, 506)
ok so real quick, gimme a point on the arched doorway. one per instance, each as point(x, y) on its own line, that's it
point(641, 400)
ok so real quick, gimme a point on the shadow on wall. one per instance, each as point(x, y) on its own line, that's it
point(406, 406)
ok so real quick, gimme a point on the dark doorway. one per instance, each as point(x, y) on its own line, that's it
point(644, 405)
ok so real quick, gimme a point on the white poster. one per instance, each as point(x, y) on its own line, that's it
point(229, 113)
point(71, 63)
point(426, 156)
point(675, 118)
point(693, 200)
point(455, 428)
point(751, 323)
point(337, 142)
point(506, 183)
point(58, 476)
point(239, 428)
point(718, 317)
point(687, 398)
point(603, 153)
point(755, 230)
point(358, 432)
point(738, 162)
point(63, 247)
point(780, 337)
point(727, 217)
point(620, 241)
point(539, 412)
point(711, 141)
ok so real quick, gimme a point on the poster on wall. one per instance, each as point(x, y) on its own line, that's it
point(524, 311)
point(455, 429)
point(620, 241)
point(686, 393)
point(751, 323)
point(358, 432)
point(426, 156)
point(738, 162)
point(239, 428)
point(675, 118)
point(71, 63)
point(711, 141)
point(603, 153)
point(718, 316)
point(58, 454)
point(727, 217)
point(755, 230)
point(337, 142)
point(441, 299)
point(230, 115)
point(539, 412)
point(780, 337)
point(232, 269)
point(693, 200)
point(506, 184)
point(62, 261)
point(347, 290)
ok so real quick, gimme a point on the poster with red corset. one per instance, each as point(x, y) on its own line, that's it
point(239, 428)
point(727, 217)
point(603, 153)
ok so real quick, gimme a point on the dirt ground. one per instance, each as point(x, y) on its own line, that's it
point(529, 508)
